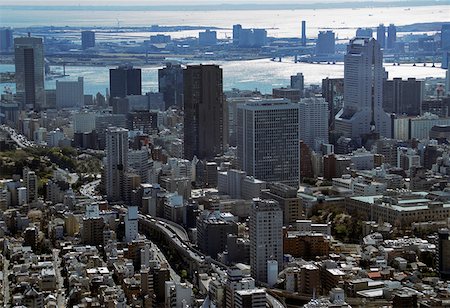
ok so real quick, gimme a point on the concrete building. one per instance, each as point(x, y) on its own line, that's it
point(6, 39)
point(364, 32)
point(125, 80)
point(381, 36)
point(266, 237)
point(236, 34)
point(87, 39)
point(205, 121)
point(363, 112)
point(69, 94)
point(391, 36)
point(407, 128)
point(170, 84)
point(207, 38)
point(325, 43)
point(30, 181)
point(443, 254)
point(268, 137)
point(29, 63)
point(403, 96)
point(131, 224)
point(313, 122)
point(116, 162)
point(255, 298)
point(287, 199)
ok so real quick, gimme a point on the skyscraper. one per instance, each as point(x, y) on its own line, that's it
point(381, 36)
point(29, 61)
point(170, 83)
point(125, 80)
point(87, 39)
point(266, 237)
point(391, 36)
point(313, 121)
point(30, 181)
point(69, 94)
point(443, 254)
point(236, 33)
point(268, 138)
point(325, 43)
point(6, 39)
point(205, 124)
point(403, 96)
point(363, 113)
point(131, 224)
point(116, 162)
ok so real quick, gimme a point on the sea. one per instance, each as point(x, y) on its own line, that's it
point(260, 74)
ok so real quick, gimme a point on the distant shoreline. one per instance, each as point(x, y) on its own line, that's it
point(231, 7)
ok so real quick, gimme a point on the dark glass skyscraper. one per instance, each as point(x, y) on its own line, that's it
point(87, 39)
point(204, 112)
point(29, 61)
point(125, 80)
point(170, 83)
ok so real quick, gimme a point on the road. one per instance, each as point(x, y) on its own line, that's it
point(19, 139)
point(6, 299)
point(88, 190)
point(61, 296)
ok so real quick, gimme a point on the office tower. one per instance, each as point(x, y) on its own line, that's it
point(87, 39)
point(259, 37)
point(144, 121)
point(116, 162)
point(207, 38)
point(313, 121)
point(266, 237)
point(303, 33)
point(445, 37)
point(139, 161)
point(205, 122)
point(69, 94)
point(391, 36)
point(131, 224)
point(30, 181)
point(403, 96)
point(125, 80)
point(364, 32)
point(6, 39)
point(333, 93)
point(93, 225)
point(298, 82)
point(381, 36)
point(29, 61)
point(170, 83)
point(443, 254)
point(325, 43)
point(363, 113)
point(212, 232)
point(236, 33)
point(267, 138)
point(289, 203)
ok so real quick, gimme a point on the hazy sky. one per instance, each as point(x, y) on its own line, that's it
point(160, 2)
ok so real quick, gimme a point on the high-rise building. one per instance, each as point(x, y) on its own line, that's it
point(207, 38)
point(125, 80)
point(87, 39)
point(266, 237)
point(287, 198)
point(268, 138)
point(443, 254)
point(29, 61)
point(403, 96)
point(6, 39)
point(205, 121)
point(298, 82)
point(170, 83)
point(363, 112)
point(445, 36)
point(364, 32)
point(131, 224)
point(381, 36)
point(313, 121)
point(69, 94)
point(139, 161)
point(391, 36)
point(303, 33)
point(325, 43)
point(236, 32)
point(30, 181)
point(333, 93)
point(116, 162)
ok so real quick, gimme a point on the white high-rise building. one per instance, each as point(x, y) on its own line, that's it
point(268, 138)
point(313, 121)
point(116, 162)
point(363, 91)
point(266, 237)
point(29, 61)
point(69, 94)
point(131, 224)
point(139, 161)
